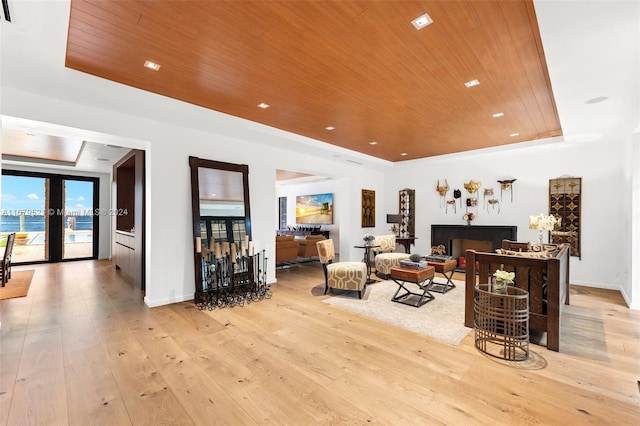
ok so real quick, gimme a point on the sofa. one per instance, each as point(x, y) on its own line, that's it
point(541, 270)
point(286, 249)
point(307, 246)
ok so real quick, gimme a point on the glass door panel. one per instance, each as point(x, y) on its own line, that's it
point(219, 230)
point(25, 208)
point(78, 219)
point(204, 235)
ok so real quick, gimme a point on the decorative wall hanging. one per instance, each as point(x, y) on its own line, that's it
point(472, 186)
point(451, 203)
point(368, 208)
point(506, 185)
point(488, 192)
point(457, 194)
point(565, 195)
point(407, 210)
point(493, 203)
point(442, 190)
point(468, 217)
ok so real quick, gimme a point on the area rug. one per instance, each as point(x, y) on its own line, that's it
point(18, 285)
point(441, 319)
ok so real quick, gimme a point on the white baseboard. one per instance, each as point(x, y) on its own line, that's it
point(161, 302)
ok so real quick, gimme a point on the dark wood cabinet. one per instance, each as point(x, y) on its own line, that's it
point(128, 238)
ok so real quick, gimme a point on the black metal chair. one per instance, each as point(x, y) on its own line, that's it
point(5, 266)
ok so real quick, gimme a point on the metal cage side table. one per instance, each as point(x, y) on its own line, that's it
point(501, 322)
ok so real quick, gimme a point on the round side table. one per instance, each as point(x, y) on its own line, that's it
point(501, 322)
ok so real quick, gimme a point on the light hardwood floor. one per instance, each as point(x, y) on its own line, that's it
point(82, 349)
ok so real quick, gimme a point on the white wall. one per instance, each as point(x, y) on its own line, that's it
point(599, 164)
point(631, 290)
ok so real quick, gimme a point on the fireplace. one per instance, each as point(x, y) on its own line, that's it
point(457, 246)
point(458, 238)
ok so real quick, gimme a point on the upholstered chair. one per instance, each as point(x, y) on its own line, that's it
point(286, 249)
point(307, 247)
point(385, 256)
point(341, 275)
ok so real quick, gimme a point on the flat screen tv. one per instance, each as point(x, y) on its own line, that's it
point(314, 209)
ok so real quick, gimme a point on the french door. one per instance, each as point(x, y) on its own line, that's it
point(222, 229)
point(54, 216)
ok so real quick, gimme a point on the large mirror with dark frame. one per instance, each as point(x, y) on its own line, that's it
point(221, 212)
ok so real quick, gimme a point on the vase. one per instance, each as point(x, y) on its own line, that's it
point(500, 286)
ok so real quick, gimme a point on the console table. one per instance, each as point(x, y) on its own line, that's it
point(406, 242)
point(325, 234)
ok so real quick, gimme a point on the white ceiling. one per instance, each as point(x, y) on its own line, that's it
point(592, 50)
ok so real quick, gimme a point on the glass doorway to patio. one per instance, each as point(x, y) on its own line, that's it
point(53, 216)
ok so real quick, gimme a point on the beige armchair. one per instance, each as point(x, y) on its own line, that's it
point(341, 275)
point(385, 257)
point(307, 247)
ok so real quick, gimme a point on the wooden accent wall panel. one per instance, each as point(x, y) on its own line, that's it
point(565, 201)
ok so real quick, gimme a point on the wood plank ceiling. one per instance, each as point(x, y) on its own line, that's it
point(358, 66)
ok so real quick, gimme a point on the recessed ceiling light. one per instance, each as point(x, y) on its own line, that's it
point(373, 143)
point(597, 100)
point(263, 105)
point(403, 154)
point(472, 83)
point(422, 21)
point(152, 65)
point(497, 114)
point(514, 134)
point(330, 128)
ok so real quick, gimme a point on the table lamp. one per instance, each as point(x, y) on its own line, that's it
point(543, 223)
point(394, 219)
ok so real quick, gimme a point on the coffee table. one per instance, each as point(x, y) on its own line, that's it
point(420, 278)
point(446, 269)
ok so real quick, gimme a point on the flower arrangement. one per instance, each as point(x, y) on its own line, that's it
point(502, 279)
point(504, 276)
point(368, 238)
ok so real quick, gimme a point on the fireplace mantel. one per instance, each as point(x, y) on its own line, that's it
point(444, 234)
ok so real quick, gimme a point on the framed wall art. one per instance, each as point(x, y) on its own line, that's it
point(565, 195)
point(314, 209)
point(368, 208)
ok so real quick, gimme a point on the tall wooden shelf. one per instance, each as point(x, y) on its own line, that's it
point(408, 211)
point(128, 239)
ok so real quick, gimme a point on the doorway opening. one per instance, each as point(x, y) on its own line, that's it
point(53, 216)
